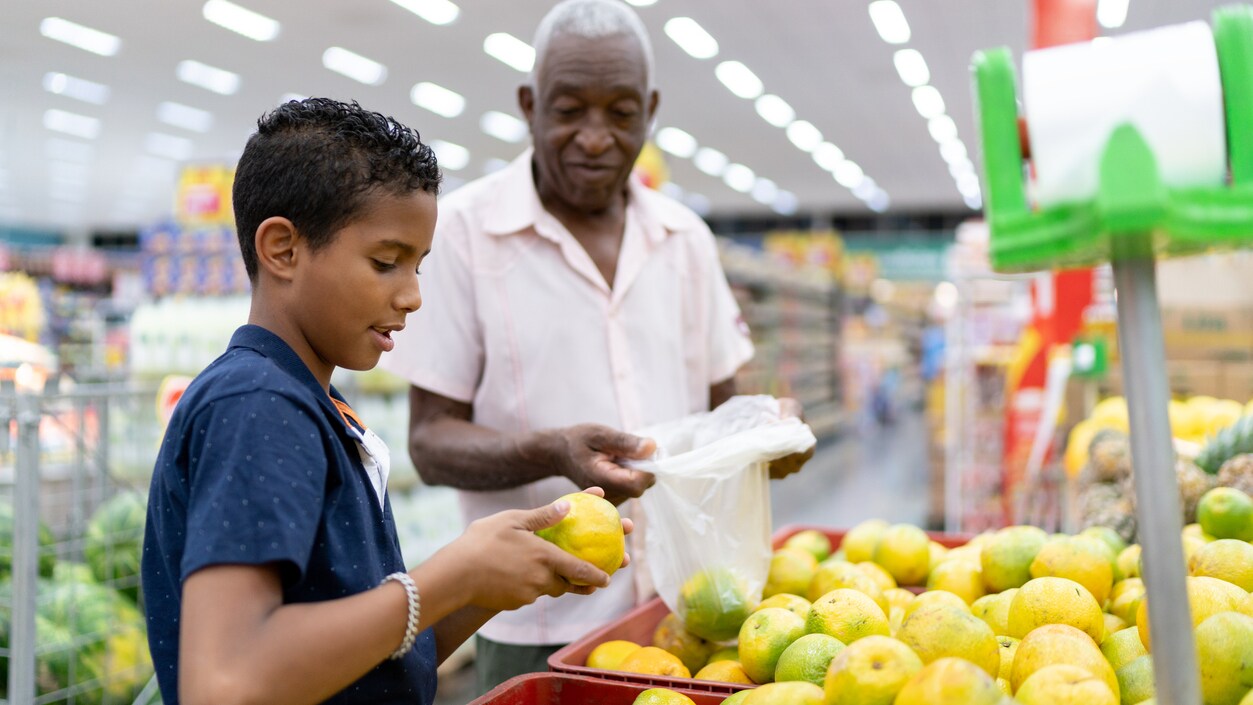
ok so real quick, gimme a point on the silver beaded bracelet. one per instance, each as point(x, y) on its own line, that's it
point(415, 609)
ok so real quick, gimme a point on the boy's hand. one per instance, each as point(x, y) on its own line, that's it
point(588, 455)
point(513, 567)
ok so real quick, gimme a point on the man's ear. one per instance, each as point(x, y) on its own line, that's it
point(276, 242)
point(653, 99)
point(526, 102)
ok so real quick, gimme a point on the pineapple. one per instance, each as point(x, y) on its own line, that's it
point(1227, 443)
point(1104, 504)
point(1238, 473)
point(1109, 456)
point(1193, 482)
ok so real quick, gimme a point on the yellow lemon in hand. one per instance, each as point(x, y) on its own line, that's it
point(592, 530)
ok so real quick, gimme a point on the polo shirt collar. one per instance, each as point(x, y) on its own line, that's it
point(274, 348)
point(517, 206)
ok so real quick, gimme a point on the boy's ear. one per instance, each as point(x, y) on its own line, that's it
point(276, 242)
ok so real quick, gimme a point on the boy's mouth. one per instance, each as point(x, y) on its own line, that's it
point(383, 337)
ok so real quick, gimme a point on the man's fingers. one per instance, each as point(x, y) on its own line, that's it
point(544, 517)
point(623, 445)
point(627, 525)
point(789, 407)
point(597, 491)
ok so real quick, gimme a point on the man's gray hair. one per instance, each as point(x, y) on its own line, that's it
point(591, 19)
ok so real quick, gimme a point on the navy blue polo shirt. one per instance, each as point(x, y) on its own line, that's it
point(259, 467)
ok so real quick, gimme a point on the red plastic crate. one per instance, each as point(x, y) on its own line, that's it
point(638, 626)
point(567, 689)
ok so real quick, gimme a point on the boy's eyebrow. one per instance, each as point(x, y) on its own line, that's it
point(401, 245)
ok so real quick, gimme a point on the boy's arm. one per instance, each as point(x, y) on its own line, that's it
point(447, 449)
point(262, 651)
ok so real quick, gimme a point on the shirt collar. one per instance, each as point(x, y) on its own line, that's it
point(517, 206)
point(270, 346)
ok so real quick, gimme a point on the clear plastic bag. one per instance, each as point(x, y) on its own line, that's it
point(708, 537)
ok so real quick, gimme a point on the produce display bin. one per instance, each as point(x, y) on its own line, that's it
point(566, 689)
point(638, 626)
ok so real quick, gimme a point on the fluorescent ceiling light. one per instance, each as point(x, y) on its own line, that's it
point(450, 156)
point(912, 67)
point(72, 123)
point(437, 12)
point(967, 183)
point(510, 50)
point(155, 168)
point(848, 174)
point(953, 151)
point(76, 88)
point(928, 101)
point(69, 172)
point(1111, 13)
point(739, 177)
point(942, 128)
point(289, 97)
point(672, 190)
point(437, 99)
point(354, 66)
point(503, 126)
point(785, 203)
point(828, 156)
point(85, 38)
point(210, 78)
point(889, 21)
point(691, 37)
point(764, 191)
point(710, 161)
point(494, 164)
point(775, 110)
point(676, 142)
point(965, 166)
point(185, 116)
point(804, 135)
point(698, 202)
point(168, 146)
point(866, 188)
point(879, 202)
point(68, 150)
point(641, 3)
point(241, 20)
point(973, 202)
point(739, 79)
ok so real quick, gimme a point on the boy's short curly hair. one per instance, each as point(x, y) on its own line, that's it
point(316, 162)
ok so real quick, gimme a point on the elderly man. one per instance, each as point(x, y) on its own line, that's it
point(568, 303)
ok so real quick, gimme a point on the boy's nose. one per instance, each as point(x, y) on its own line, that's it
point(410, 298)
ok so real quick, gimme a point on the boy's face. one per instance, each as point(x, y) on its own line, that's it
point(353, 293)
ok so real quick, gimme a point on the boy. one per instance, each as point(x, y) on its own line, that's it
point(271, 568)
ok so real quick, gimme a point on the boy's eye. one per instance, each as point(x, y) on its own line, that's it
point(383, 266)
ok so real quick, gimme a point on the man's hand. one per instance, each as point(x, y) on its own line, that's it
point(788, 464)
point(588, 454)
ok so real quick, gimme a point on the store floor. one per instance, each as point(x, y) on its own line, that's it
point(880, 473)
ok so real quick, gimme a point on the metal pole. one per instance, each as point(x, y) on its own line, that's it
point(1157, 493)
point(25, 551)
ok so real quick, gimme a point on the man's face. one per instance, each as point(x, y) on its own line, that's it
point(359, 288)
point(589, 115)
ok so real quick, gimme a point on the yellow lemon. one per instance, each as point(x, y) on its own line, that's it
point(662, 696)
point(962, 578)
point(793, 603)
point(870, 672)
point(878, 574)
point(905, 551)
point(835, 575)
point(941, 631)
point(652, 661)
point(726, 653)
point(1055, 601)
point(1079, 560)
point(1224, 648)
point(672, 636)
point(950, 680)
point(1113, 623)
point(608, 655)
point(1062, 684)
point(1009, 647)
point(1226, 513)
point(994, 610)
point(791, 570)
point(938, 553)
point(1060, 644)
point(1206, 597)
point(860, 542)
point(1129, 561)
point(847, 615)
point(1126, 603)
point(1122, 647)
point(790, 693)
point(1226, 559)
point(737, 698)
point(808, 658)
point(724, 672)
point(1135, 680)
point(592, 530)
point(811, 541)
point(764, 636)
point(899, 597)
point(1007, 555)
point(935, 597)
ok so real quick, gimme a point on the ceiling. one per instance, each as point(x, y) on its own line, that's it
point(824, 58)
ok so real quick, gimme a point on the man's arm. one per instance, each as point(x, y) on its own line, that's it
point(447, 449)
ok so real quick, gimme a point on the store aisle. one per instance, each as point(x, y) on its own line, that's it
point(860, 475)
point(880, 473)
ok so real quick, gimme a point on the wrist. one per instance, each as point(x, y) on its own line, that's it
point(545, 450)
point(447, 575)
